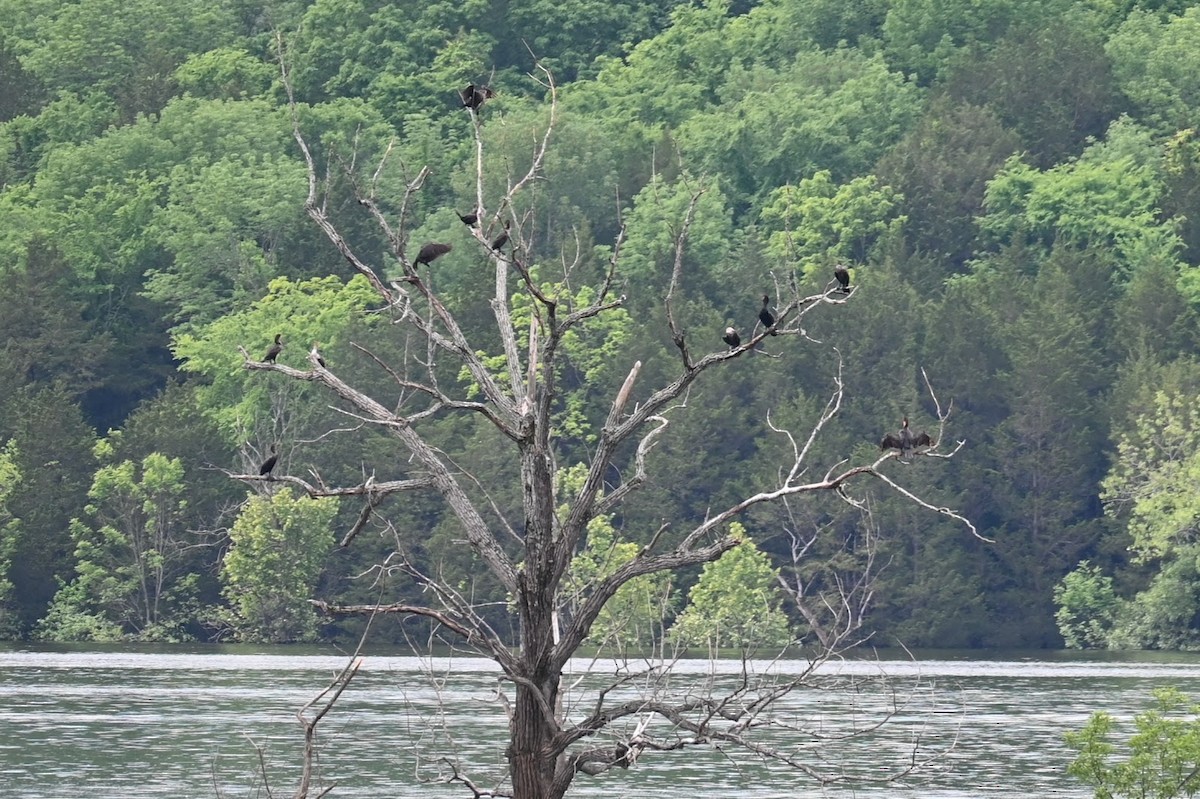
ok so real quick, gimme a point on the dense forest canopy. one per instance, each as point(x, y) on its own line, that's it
point(1015, 184)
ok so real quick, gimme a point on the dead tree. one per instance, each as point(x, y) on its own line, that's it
point(548, 745)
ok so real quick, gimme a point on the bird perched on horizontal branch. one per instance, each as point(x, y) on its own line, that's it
point(275, 349)
point(906, 441)
point(502, 239)
point(269, 464)
point(731, 338)
point(766, 317)
point(843, 277)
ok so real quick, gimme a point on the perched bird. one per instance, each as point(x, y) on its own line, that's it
point(906, 436)
point(474, 96)
point(430, 252)
point(906, 441)
point(317, 353)
point(469, 219)
point(276, 348)
point(765, 316)
point(843, 276)
point(502, 239)
point(731, 338)
point(265, 469)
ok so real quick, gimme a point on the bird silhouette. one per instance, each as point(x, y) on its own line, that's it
point(431, 252)
point(906, 441)
point(502, 239)
point(275, 349)
point(316, 352)
point(469, 219)
point(265, 469)
point(765, 316)
point(731, 338)
point(843, 277)
point(474, 96)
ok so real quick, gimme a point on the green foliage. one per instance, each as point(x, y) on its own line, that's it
point(278, 545)
point(735, 603)
point(1087, 607)
point(1096, 201)
point(1154, 476)
point(314, 310)
point(817, 222)
point(634, 617)
point(843, 110)
point(131, 557)
point(1167, 614)
point(10, 476)
point(1160, 760)
point(1157, 66)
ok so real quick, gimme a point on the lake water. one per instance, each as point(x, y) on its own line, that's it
point(182, 723)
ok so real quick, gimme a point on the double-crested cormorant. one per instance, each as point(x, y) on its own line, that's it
point(843, 276)
point(731, 338)
point(469, 219)
point(906, 441)
point(502, 239)
point(431, 252)
point(276, 348)
point(765, 316)
point(265, 469)
point(474, 96)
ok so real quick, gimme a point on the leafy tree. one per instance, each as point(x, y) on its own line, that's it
point(52, 451)
point(633, 618)
point(10, 535)
point(1087, 607)
point(939, 172)
point(277, 547)
point(1160, 760)
point(127, 50)
point(922, 37)
point(1103, 200)
point(1153, 477)
point(843, 110)
point(132, 557)
point(735, 603)
point(1048, 80)
point(313, 310)
point(1157, 66)
point(816, 222)
point(1167, 614)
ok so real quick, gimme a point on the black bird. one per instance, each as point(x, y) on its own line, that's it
point(430, 252)
point(502, 239)
point(765, 316)
point(474, 96)
point(731, 338)
point(469, 219)
point(276, 348)
point(269, 464)
point(906, 442)
point(843, 276)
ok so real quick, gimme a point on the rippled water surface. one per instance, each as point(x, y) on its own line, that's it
point(182, 724)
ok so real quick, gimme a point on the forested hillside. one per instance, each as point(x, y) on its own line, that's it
point(1015, 185)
